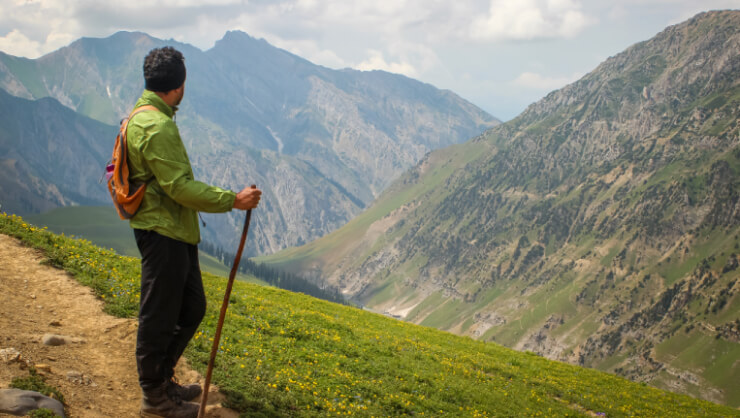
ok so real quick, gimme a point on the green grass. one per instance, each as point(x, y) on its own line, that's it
point(27, 72)
point(99, 224)
point(36, 383)
point(97, 107)
point(699, 351)
point(384, 291)
point(467, 324)
point(445, 315)
point(102, 227)
point(42, 413)
point(678, 268)
point(287, 354)
point(210, 264)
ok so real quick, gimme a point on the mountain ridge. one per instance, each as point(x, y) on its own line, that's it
point(599, 227)
point(66, 155)
point(256, 114)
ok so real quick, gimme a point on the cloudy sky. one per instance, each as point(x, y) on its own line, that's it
point(500, 54)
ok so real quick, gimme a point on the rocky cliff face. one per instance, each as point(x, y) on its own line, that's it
point(322, 143)
point(600, 227)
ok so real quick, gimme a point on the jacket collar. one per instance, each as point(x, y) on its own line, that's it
point(150, 98)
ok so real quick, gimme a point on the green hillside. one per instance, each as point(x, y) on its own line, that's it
point(101, 226)
point(600, 227)
point(286, 354)
point(98, 224)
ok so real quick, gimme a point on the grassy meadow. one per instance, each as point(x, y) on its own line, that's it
point(102, 227)
point(287, 354)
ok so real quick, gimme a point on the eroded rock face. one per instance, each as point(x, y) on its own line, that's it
point(21, 402)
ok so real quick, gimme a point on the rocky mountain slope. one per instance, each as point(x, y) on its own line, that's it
point(600, 227)
point(49, 155)
point(322, 143)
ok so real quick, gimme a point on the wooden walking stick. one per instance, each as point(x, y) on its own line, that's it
point(224, 305)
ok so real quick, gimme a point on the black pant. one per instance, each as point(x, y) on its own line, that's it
point(172, 304)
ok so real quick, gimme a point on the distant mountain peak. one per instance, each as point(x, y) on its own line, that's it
point(237, 41)
point(135, 36)
point(238, 35)
point(240, 39)
point(118, 38)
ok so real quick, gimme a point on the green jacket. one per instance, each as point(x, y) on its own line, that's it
point(157, 156)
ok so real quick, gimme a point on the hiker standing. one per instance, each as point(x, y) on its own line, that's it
point(166, 229)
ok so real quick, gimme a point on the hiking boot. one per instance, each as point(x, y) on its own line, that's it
point(157, 403)
point(186, 393)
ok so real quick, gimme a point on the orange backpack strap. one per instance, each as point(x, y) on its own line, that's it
point(141, 109)
point(124, 126)
point(126, 197)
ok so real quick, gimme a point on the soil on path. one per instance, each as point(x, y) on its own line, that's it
point(97, 374)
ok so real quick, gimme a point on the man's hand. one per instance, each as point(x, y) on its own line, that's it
point(248, 198)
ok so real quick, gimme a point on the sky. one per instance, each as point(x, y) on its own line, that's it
point(501, 55)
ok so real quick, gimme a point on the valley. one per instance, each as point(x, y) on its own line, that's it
point(600, 227)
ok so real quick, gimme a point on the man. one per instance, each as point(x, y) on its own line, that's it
point(167, 233)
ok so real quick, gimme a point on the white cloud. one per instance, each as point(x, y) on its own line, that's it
point(541, 82)
point(530, 19)
point(311, 51)
point(408, 58)
point(376, 61)
point(509, 65)
point(37, 26)
point(16, 43)
point(185, 3)
point(379, 12)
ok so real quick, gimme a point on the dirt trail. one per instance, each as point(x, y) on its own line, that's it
point(96, 375)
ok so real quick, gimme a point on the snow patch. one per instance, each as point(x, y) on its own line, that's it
point(277, 139)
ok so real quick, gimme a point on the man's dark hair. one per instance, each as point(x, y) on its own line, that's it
point(164, 69)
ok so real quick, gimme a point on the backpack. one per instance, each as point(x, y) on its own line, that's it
point(126, 197)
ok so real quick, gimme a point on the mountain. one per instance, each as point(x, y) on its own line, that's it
point(321, 143)
point(600, 227)
point(50, 155)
